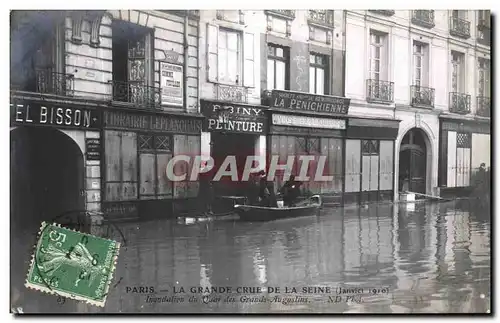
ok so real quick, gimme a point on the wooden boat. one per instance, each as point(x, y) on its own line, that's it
point(308, 207)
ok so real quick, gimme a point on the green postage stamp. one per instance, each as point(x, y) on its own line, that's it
point(72, 264)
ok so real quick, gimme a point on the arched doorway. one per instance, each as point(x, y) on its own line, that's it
point(46, 179)
point(413, 162)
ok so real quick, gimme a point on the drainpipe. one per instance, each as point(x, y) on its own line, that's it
point(199, 64)
point(186, 47)
point(344, 50)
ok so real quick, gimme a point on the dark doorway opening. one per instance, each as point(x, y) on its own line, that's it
point(413, 162)
point(239, 145)
point(46, 180)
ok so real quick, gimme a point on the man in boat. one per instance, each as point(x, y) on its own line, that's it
point(266, 191)
point(253, 189)
point(290, 191)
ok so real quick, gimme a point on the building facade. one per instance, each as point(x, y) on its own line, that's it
point(429, 69)
point(101, 101)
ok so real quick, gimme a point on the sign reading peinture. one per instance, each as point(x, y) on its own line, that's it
point(63, 116)
point(229, 117)
point(308, 122)
point(309, 102)
point(168, 123)
point(171, 84)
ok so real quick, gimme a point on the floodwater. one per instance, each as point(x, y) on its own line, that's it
point(420, 258)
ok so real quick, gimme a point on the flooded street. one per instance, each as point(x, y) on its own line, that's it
point(433, 259)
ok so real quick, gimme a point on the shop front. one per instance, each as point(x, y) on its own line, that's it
point(233, 132)
point(138, 146)
point(311, 125)
point(464, 145)
point(49, 161)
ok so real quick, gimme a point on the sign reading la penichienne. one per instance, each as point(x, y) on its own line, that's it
point(306, 102)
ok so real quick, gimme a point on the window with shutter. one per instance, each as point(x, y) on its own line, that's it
point(249, 63)
point(212, 53)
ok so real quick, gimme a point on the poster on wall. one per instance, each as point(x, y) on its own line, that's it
point(171, 84)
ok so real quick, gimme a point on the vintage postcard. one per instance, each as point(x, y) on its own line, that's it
point(263, 161)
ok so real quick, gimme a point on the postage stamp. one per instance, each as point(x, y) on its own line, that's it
point(72, 264)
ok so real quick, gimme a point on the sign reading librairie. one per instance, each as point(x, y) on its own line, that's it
point(171, 84)
point(309, 102)
point(23, 113)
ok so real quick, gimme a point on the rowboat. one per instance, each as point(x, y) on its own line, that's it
point(307, 207)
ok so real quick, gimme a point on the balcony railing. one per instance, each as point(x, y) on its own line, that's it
point(384, 12)
point(54, 83)
point(459, 103)
point(288, 14)
point(422, 96)
point(379, 91)
point(423, 18)
point(459, 27)
point(483, 33)
point(231, 93)
point(136, 93)
point(483, 106)
point(321, 17)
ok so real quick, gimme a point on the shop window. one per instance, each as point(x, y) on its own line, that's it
point(120, 180)
point(155, 151)
point(278, 60)
point(462, 167)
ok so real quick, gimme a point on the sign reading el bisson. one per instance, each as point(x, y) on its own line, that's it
point(308, 122)
point(171, 84)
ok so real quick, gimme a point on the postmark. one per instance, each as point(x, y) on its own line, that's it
point(72, 264)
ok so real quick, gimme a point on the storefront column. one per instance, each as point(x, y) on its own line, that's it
point(92, 178)
point(205, 145)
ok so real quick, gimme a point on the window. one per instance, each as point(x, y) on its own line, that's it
point(457, 76)
point(132, 63)
point(484, 78)
point(420, 64)
point(318, 74)
point(378, 56)
point(483, 17)
point(155, 151)
point(463, 159)
point(277, 67)
point(459, 14)
point(230, 56)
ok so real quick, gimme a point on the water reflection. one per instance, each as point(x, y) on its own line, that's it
point(433, 258)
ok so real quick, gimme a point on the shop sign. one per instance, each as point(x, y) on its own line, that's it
point(309, 102)
point(229, 117)
point(171, 84)
point(93, 148)
point(56, 116)
point(165, 123)
point(308, 122)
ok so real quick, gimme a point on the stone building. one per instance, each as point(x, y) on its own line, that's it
point(431, 70)
point(100, 102)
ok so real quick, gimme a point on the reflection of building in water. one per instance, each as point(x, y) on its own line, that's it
point(259, 266)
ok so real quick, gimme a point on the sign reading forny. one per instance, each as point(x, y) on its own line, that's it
point(171, 84)
point(309, 102)
point(308, 122)
point(64, 116)
point(231, 117)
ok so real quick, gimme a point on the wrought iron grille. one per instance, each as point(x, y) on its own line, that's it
point(231, 93)
point(422, 96)
point(384, 12)
point(459, 27)
point(377, 90)
point(483, 106)
point(322, 17)
point(145, 142)
point(459, 103)
point(54, 83)
point(370, 147)
point(463, 140)
point(423, 18)
point(136, 93)
point(163, 142)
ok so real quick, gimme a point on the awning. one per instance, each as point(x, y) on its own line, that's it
point(363, 128)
